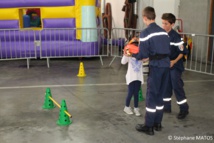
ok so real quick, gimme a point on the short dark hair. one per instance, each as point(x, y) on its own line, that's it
point(169, 17)
point(149, 12)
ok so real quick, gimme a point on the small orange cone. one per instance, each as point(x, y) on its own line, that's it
point(81, 70)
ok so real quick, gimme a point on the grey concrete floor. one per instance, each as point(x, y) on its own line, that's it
point(96, 103)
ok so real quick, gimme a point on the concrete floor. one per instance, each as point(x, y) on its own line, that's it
point(96, 103)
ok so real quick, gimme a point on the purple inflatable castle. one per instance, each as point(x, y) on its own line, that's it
point(57, 33)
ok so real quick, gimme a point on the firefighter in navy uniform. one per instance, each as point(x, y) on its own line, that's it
point(154, 44)
point(177, 51)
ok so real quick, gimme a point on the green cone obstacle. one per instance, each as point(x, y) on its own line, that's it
point(140, 95)
point(48, 104)
point(64, 119)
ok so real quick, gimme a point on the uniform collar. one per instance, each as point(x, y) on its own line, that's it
point(171, 31)
point(152, 24)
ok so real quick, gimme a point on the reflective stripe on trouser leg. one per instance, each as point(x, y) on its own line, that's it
point(182, 102)
point(167, 103)
point(177, 85)
point(150, 116)
point(183, 105)
point(168, 94)
point(159, 107)
point(159, 101)
point(167, 99)
point(153, 98)
point(159, 114)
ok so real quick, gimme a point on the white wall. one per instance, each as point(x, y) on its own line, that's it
point(165, 6)
point(161, 6)
point(117, 12)
point(195, 15)
point(141, 5)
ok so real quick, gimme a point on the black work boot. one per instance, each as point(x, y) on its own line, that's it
point(157, 127)
point(182, 114)
point(145, 129)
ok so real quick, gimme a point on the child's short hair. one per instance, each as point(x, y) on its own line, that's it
point(149, 12)
point(169, 17)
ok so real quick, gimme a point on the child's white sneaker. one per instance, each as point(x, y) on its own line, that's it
point(128, 110)
point(137, 111)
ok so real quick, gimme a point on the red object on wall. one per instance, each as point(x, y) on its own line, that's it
point(107, 21)
point(181, 25)
point(33, 10)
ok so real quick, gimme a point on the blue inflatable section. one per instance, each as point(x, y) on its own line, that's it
point(89, 21)
point(26, 21)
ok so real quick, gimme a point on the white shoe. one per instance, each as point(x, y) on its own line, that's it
point(128, 110)
point(137, 111)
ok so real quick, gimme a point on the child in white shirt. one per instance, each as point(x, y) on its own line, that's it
point(134, 79)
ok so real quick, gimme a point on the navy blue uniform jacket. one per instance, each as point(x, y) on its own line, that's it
point(154, 40)
point(177, 48)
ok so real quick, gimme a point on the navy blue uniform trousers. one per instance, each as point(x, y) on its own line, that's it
point(157, 84)
point(176, 84)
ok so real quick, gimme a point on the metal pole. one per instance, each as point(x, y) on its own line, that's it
point(69, 115)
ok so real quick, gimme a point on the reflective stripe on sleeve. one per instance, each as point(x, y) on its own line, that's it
point(176, 44)
point(152, 35)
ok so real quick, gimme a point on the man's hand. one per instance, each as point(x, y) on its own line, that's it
point(145, 60)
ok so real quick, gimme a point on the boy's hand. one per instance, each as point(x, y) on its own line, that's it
point(172, 63)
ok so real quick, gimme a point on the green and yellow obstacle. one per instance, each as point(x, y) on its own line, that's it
point(64, 119)
point(64, 116)
point(140, 95)
point(48, 103)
